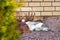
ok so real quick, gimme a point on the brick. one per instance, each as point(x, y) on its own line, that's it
point(48, 0)
point(34, 4)
point(56, 3)
point(57, 8)
point(33, 13)
point(56, 13)
point(27, 0)
point(57, 0)
point(45, 3)
point(49, 8)
point(46, 13)
point(25, 4)
point(26, 9)
point(37, 0)
point(17, 13)
point(30, 14)
point(37, 13)
point(37, 8)
point(23, 13)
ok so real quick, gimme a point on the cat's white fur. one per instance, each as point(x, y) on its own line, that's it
point(36, 26)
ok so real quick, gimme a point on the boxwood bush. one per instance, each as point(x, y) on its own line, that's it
point(8, 22)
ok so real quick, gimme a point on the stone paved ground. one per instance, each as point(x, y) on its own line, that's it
point(40, 35)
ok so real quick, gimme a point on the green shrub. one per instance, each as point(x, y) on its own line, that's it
point(8, 23)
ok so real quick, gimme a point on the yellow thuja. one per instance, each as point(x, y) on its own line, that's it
point(8, 23)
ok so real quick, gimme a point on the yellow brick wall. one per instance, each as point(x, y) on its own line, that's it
point(40, 8)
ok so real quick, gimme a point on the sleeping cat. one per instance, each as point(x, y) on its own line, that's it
point(36, 26)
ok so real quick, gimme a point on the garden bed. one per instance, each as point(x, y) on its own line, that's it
point(53, 23)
